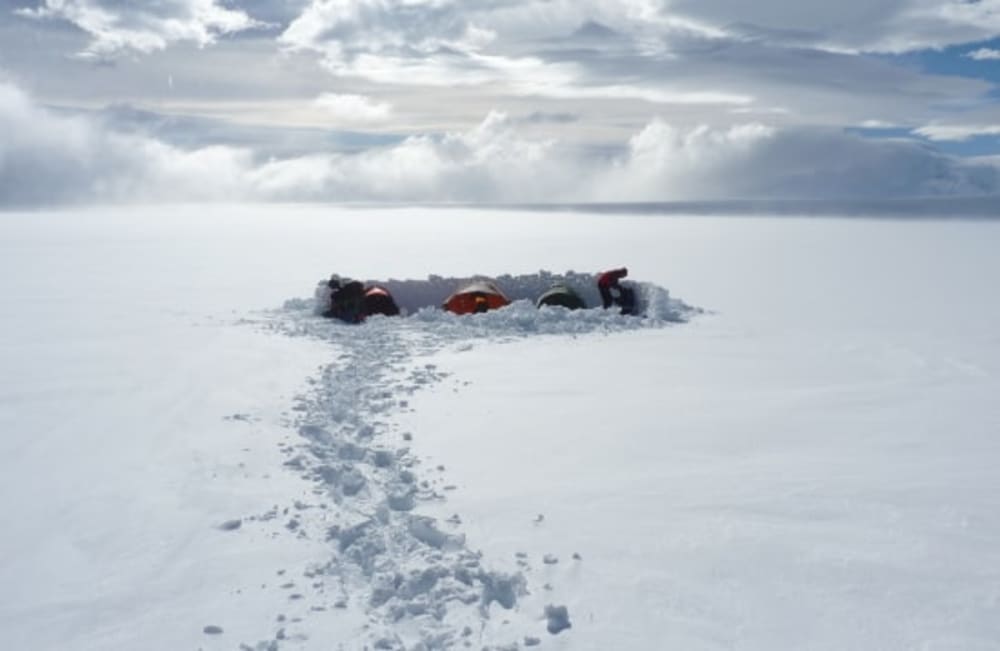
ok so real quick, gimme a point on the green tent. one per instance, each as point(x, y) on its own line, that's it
point(561, 295)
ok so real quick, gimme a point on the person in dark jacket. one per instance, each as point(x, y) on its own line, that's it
point(346, 300)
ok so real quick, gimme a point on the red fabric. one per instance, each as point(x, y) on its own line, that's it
point(468, 302)
point(611, 278)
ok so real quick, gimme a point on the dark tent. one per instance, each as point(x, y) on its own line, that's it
point(378, 300)
point(561, 295)
point(479, 296)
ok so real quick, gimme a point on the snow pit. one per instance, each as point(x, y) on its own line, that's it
point(417, 296)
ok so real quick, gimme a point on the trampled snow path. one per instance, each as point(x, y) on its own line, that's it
point(418, 583)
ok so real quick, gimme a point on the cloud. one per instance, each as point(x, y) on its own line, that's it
point(984, 54)
point(664, 161)
point(446, 62)
point(757, 162)
point(48, 158)
point(652, 95)
point(490, 162)
point(886, 26)
point(543, 117)
point(119, 26)
point(401, 31)
point(387, 37)
point(957, 132)
point(878, 124)
point(697, 61)
point(514, 45)
point(353, 108)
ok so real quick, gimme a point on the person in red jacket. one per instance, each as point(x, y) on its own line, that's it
point(623, 296)
point(608, 280)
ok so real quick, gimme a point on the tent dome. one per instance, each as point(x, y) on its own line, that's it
point(478, 296)
point(563, 295)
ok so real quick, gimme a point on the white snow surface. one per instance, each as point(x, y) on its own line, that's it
point(193, 459)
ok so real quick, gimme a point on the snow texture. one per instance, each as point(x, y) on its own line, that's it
point(417, 580)
point(810, 464)
point(558, 619)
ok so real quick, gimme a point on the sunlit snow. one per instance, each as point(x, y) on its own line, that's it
point(794, 447)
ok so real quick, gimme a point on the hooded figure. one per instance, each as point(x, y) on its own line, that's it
point(346, 300)
point(608, 280)
point(613, 292)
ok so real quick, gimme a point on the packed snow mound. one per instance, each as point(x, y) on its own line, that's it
point(424, 298)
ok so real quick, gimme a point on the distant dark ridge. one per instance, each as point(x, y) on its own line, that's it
point(930, 208)
point(909, 208)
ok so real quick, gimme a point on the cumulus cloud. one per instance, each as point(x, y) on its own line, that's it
point(758, 162)
point(543, 43)
point(397, 41)
point(617, 61)
point(512, 44)
point(698, 60)
point(119, 26)
point(490, 162)
point(47, 158)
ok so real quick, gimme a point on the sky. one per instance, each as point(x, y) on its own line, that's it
point(497, 100)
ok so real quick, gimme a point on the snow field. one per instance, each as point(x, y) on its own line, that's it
point(809, 464)
point(839, 497)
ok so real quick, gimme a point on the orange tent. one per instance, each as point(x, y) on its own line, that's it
point(479, 296)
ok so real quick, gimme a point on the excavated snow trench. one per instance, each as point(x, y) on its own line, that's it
point(417, 582)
